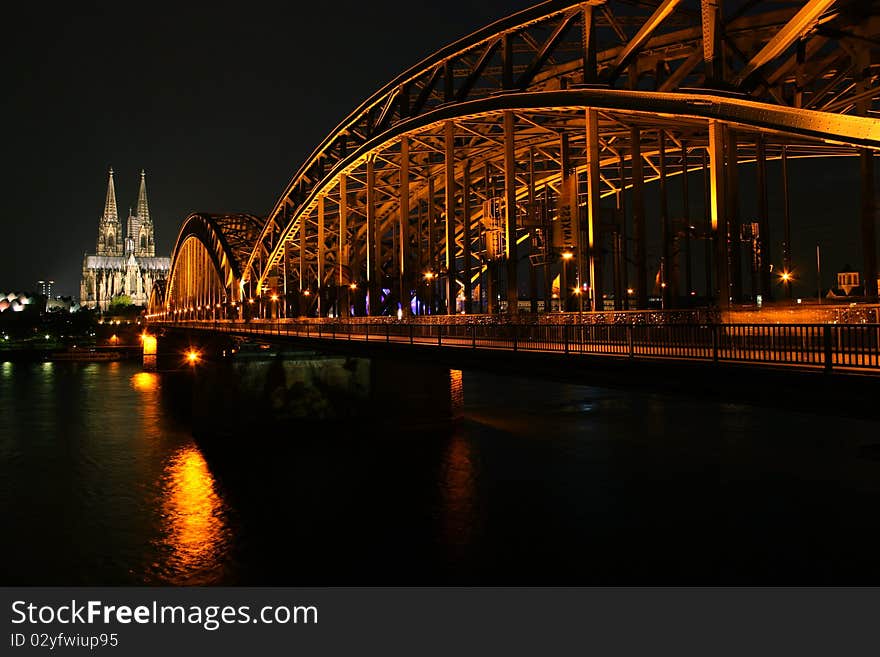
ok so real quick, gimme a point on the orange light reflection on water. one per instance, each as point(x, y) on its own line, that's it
point(458, 486)
point(194, 527)
point(145, 381)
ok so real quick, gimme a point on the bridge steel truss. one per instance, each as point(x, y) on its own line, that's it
point(206, 266)
point(536, 136)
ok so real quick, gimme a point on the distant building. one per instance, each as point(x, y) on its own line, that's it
point(68, 304)
point(45, 288)
point(122, 265)
point(849, 285)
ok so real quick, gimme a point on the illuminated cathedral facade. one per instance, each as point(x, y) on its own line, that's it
point(123, 263)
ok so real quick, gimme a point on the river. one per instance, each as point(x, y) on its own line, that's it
point(536, 483)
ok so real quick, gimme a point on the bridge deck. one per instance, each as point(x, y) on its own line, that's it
point(845, 348)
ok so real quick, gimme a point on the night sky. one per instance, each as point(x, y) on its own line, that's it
point(221, 102)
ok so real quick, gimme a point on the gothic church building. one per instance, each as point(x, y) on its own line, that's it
point(122, 265)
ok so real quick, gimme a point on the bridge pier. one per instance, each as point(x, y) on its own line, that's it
point(238, 394)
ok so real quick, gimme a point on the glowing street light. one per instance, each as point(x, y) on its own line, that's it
point(563, 273)
point(193, 356)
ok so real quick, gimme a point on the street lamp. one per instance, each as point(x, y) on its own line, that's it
point(429, 278)
point(787, 278)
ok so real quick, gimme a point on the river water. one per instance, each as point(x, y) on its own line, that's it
point(536, 483)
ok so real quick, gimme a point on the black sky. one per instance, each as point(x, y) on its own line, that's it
point(221, 102)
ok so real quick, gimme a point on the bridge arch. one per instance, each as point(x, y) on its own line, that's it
point(205, 280)
point(485, 146)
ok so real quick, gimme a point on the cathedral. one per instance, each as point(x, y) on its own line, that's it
point(122, 265)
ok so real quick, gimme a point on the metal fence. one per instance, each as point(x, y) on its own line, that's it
point(827, 346)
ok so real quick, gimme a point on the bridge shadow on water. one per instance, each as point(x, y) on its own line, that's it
point(530, 482)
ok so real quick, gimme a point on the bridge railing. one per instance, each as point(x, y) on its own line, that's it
point(807, 345)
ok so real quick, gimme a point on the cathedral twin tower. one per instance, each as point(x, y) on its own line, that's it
point(139, 229)
point(122, 266)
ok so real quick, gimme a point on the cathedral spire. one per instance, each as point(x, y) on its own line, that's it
point(143, 210)
point(110, 204)
point(110, 230)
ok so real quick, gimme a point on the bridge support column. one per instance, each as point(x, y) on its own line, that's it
point(707, 228)
point(344, 275)
point(466, 236)
point(374, 265)
point(566, 203)
point(510, 215)
point(491, 262)
point(430, 273)
point(548, 250)
point(589, 271)
point(639, 232)
point(451, 285)
point(786, 227)
point(621, 294)
point(763, 258)
point(302, 308)
point(321, 248)
point(731, 195)
point(532, 219)
point(403, 229)
point(686, 227)
point(665, 232)
point(718, 214)
point(869, 219)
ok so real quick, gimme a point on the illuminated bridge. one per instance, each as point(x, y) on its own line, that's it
point(565, 180)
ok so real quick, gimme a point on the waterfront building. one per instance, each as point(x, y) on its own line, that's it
point(122, 265)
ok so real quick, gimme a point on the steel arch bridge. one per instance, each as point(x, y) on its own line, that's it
point(521, 153)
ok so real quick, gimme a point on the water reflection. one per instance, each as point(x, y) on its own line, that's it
point(458, 489)
point(145, 381)
point(456, 393)
point(194, 526)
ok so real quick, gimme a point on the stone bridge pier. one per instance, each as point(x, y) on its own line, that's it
point(242, 391)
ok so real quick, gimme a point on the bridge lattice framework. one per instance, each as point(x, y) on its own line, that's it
point(537, 136)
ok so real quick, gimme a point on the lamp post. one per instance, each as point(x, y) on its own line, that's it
point(818, 274)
